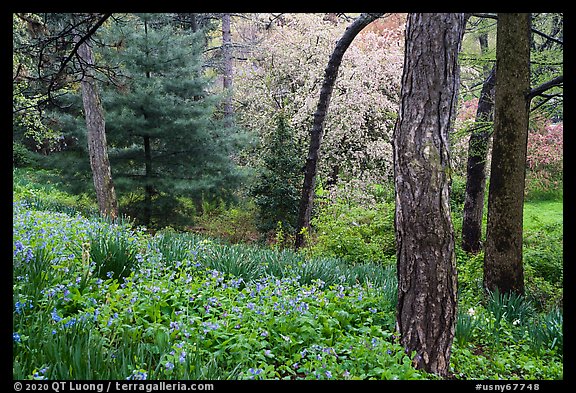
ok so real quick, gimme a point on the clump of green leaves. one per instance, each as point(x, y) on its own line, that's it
point(546, 331)
point(466, 324)
point(509, 306)
point(114, 252)
point(355, 233)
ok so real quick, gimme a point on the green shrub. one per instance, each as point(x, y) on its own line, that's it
point(542, 294)
point(544, 251)
point(21, 156)
point(470, 270)
point(276, 190)
point(40, 189)
point(234, 224)
point(355, 234)
point(457, 192)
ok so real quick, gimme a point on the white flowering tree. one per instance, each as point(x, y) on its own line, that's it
point(284, 70)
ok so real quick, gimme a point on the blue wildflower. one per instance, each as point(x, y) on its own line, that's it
point(55, 316)
point(303, 306)
point(210, 326)
point(71, 322)
point(29, 255)
point(39, 375)
point(19, 246)
point(254, 371)
point(16, 337)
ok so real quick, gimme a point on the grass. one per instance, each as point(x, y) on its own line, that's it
point(542, 213)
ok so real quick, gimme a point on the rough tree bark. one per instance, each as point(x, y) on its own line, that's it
point(503, 268)
point(426, 309)
point(330, 74)
point(476, 168)
point(96, 135)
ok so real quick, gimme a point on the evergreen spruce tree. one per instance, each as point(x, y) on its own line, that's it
point(165, 140)
point(277, 190)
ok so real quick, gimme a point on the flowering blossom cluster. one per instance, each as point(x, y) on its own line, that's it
point(285, 71)
point(545, 146)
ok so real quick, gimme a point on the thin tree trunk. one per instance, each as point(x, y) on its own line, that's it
point(503, 268)
point(96, 135)
point(227, 77)
point(476, 168)
point(330, 74)
point(148, 186)
point(426, 310)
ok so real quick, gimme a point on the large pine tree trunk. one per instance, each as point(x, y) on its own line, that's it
point(476, 168)
point(503, 269)
point(330, 74)
point(426, 309)
point(96, 135)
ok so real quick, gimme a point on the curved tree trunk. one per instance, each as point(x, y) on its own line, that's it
point(503, 269)
point(426, 310)
point(96, 135)
point(330, 74)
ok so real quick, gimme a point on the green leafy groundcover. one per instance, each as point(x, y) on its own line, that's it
point(171, 319)
point(100, 300)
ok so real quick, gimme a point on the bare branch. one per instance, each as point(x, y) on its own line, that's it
point(558, 81)
point(545, 100)
point(82, 39)
point(535, 31)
